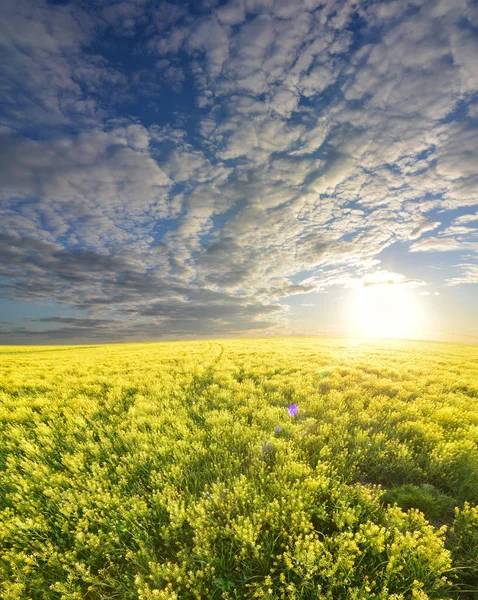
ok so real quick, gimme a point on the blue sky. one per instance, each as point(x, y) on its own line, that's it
point(209, 168)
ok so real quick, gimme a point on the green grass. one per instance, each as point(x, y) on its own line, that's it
point(149, 471)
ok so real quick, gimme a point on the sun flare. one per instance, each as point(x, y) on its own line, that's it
point(385, 311)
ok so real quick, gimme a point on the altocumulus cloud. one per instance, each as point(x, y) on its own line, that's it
point(180, 168)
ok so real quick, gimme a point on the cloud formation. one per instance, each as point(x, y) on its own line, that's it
point(267, 149)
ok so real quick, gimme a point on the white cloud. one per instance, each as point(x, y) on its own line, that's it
point(284, 101)
point(467, 220)
point(91, 184)
point(468, 274)
point(47, 79)
point(232, 13)
point(435, 244)
point(441, 245)
point(212, 38)
point(382, 277)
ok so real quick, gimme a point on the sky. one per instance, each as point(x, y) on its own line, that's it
point(176, 170)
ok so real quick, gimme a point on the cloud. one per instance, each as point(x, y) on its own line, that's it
point(468, 274)
point(275, 148)
point(210, 37)
point(47, 79)
point(124, 17)
point(467, 220)
point(89, 186)
point(74, 321)
point(382, 277)
point(445, 244)
point(121, 287)
point(232, 13)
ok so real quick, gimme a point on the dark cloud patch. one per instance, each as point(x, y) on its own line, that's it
point(214, 310)
point(121, 287)
point(75, 322)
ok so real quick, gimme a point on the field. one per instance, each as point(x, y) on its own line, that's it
point(174, 470)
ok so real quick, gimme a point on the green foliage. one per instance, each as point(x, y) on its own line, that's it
point(464, 546)
point(150, 471)
point(435, 505)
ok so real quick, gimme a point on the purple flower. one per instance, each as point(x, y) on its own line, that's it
point(293, 410)
point(278, 429)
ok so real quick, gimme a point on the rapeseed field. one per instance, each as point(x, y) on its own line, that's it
point(272, 469)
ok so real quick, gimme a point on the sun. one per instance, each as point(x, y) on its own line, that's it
point(384, 311)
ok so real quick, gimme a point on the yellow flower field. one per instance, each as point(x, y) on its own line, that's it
point(176, 471)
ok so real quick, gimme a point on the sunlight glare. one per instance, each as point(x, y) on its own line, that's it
point(384, 311)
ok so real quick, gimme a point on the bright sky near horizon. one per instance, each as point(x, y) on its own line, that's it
point(249, 167)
